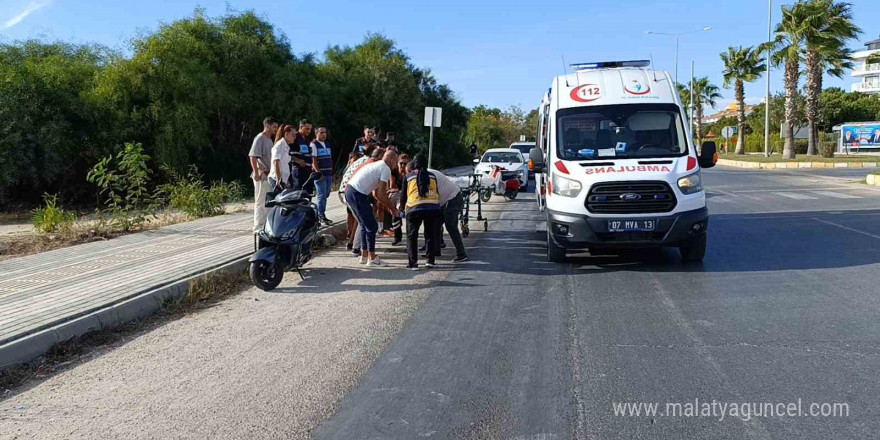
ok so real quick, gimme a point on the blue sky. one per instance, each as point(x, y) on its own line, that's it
point(498, 53)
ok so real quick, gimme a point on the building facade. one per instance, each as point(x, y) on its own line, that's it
point(868, 74)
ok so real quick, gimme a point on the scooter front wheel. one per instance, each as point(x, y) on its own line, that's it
point(265, 275)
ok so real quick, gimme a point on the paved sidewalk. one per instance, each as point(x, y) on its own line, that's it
point(52, 296)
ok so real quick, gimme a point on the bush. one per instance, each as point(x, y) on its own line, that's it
point(123, 181)
point(826, 149)
point(51, 218)
point(190, 195)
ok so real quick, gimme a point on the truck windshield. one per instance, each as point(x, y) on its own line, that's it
point(620, 131)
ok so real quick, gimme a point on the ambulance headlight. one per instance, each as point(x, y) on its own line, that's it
point(691, 184)
point(565, 187)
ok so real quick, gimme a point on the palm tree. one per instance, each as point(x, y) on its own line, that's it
point(705, 93)
point(790, 39)
point(831, 27)
point(741, 65)
point(685, 94)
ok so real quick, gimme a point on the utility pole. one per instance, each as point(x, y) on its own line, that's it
point(767, 96)
point(677, 37)
point(692, 102)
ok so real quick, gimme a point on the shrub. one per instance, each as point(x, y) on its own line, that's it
point(123, 181)
point(51, 218)
point(190, 195)
point(826, 149)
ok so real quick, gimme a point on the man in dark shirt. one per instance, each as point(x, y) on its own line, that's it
point(361, 143)
point(390, 139)
point(301, 154)
point(474, 151)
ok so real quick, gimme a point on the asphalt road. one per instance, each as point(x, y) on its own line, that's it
point(508, 346)
point(784, 309)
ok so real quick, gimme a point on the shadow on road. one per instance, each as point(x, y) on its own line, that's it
point(737, 243)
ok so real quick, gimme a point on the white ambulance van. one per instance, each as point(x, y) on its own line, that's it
point(619, 165)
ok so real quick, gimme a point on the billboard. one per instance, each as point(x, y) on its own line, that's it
point(860, 136)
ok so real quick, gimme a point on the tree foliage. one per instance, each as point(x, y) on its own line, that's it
point(495, 128)
point(194, 93)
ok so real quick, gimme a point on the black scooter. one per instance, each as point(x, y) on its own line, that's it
point(286, 240)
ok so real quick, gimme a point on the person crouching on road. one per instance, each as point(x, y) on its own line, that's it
point(421, 202)
point(260, 158)
point(372, 178)
point(322, 162)
point(398, 177)
point(279, 176)
point(451, 202)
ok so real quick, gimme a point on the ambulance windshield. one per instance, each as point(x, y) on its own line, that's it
point(620, 132)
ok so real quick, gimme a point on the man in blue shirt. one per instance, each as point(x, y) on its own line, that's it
point(322, 162)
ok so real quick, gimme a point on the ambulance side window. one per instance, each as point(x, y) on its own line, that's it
point(545, 128)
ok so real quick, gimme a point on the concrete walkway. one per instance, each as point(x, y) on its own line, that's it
point(52, 296)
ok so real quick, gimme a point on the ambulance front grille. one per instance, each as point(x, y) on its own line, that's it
point(630, 198)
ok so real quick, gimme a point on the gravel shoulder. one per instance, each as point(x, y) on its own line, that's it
point(257, 365)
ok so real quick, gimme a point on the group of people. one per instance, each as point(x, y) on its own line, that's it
point(379, 184)
point(281, 157)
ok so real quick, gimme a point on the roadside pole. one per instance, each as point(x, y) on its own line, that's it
point(767, 97)
point(699, 147)
point(432, 119)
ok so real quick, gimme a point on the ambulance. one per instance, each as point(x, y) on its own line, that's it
point(618, 167)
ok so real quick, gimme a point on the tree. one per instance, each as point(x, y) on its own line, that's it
point(705, 94)
point(741, 65)
point(791, 33)
point(49, 134)
point(829, 30)
point(194, 93)
point(837, 107)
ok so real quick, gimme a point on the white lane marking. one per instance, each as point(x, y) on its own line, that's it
point(795, 196)
point(857, 231)
point(836, 195)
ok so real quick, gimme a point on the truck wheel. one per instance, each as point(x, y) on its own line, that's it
point(555, 254)
point(694, 251)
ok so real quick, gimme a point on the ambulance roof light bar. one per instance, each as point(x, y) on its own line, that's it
point(610, 65)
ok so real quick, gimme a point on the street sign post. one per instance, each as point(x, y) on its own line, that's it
point(433, 116)
point(727, 133)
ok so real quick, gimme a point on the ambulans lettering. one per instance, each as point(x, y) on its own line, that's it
point(629, 169)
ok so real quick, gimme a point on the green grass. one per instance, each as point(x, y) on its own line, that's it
point(799, 158)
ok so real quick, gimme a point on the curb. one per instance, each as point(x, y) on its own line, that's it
point(873, 179)
point(147, 303)
point(794, 165)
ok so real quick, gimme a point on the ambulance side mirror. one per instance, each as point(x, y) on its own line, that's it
point(536, 158)
point(708, 155)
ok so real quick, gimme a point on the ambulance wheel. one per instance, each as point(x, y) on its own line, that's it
point(465, 230)
point(487, 194)
point(694, 251)
point(555, 254)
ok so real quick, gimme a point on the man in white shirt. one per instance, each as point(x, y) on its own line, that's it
point(371, 179)
point(451, 203)
point(260, 158)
